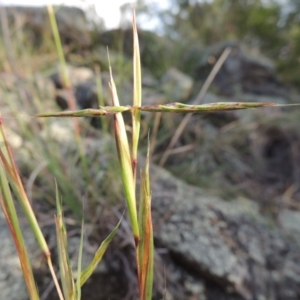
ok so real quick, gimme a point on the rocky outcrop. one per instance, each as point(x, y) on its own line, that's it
point(225, 244)
point(71, 21)
point(245, 71)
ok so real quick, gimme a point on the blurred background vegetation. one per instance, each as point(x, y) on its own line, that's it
point(272, 26)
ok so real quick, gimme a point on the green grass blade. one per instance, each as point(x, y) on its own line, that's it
point(98, 256)
point(65, 269)
point(58, 45)
point(67, 85)
point(78, 286)
point(146, 247)
point(137, 96)
point(125, 162)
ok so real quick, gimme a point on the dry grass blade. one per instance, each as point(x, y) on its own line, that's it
point(11, 172)
point(89, 112)
point(198, 100)
point(177, 107)
point(146, 247)
point(7, 205)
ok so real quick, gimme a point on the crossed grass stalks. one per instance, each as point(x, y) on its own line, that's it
point(139, 215)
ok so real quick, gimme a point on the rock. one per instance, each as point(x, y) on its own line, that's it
point(35, 21)
point(150, 96)
point(176, 85)
point(15, 141)
point(59, 131)
point(12, 283)
point(229, 244)
point(82, 86)
point(244, 71)
point(290, 222)
point(77, 76)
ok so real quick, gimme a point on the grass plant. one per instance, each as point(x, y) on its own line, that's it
point(139, 211)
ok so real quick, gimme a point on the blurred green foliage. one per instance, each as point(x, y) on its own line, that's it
point(271, 26)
